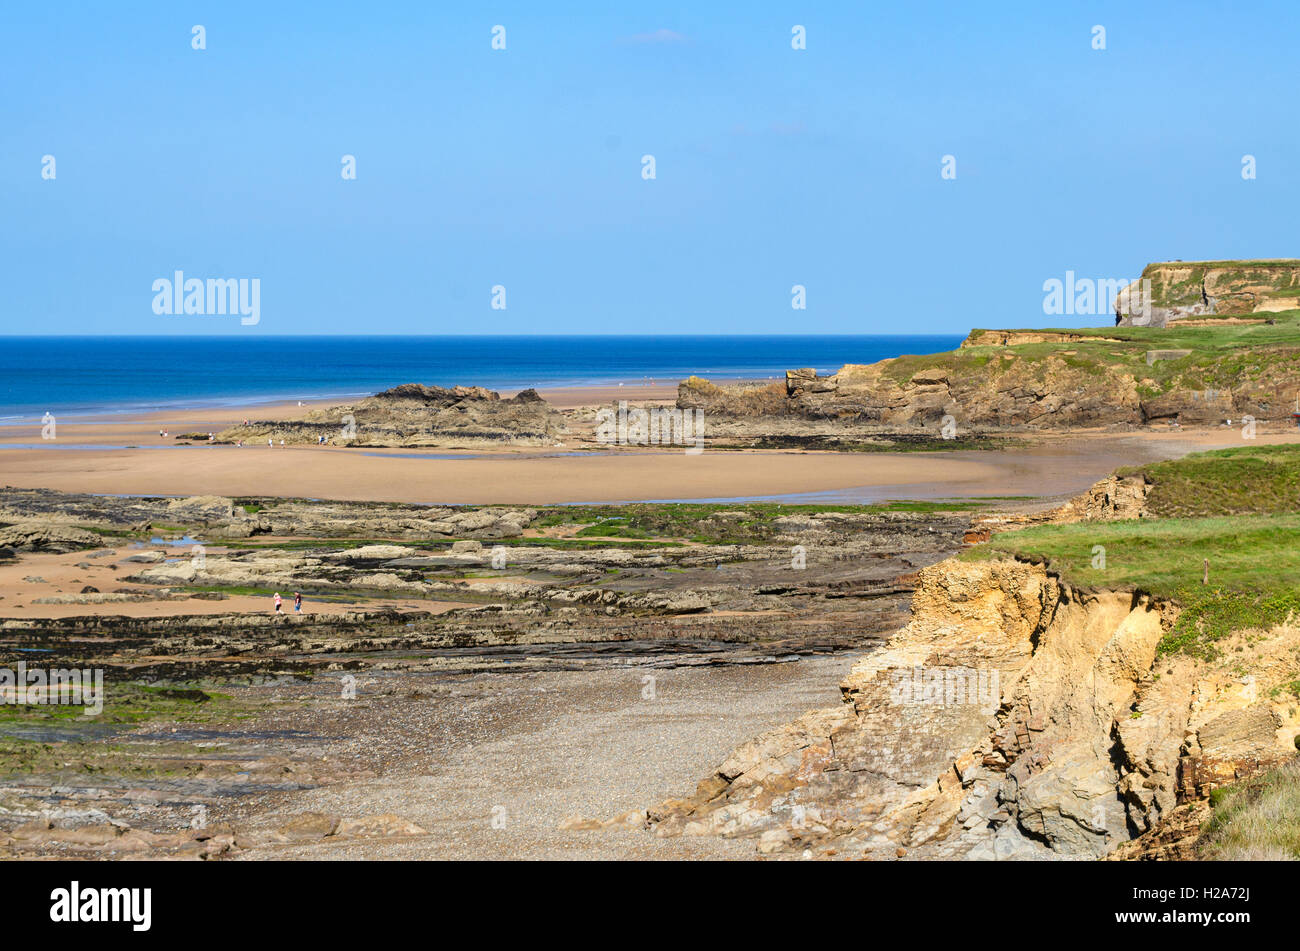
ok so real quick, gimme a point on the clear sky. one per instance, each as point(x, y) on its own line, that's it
point(522, 167)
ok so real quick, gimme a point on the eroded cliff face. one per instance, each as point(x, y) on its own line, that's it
point(1188, 289)
point(990, 392)
point(1014, 717)
point(1002, 392)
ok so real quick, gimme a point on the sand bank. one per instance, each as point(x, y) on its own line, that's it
point(1048, 467)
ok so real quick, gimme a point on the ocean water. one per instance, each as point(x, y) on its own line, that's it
point(102, 375)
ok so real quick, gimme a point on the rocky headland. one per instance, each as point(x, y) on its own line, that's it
point(1194, 290)
point(1004, 382)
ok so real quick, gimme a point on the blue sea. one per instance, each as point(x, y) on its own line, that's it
point(77, 376)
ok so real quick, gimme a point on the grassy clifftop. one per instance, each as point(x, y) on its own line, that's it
point(1194, 372)
point(1220, 356)
point(1255, 365)
point(1238, 508)
point(1249, 480)
point(1280, 329)
point(1228, 287)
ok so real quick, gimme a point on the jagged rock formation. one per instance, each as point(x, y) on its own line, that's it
point(44, 517)
point(43, 536)
point(1190, 289)
point(1011, 394)
point(1115, 497)
point(1015, 389)
point(1014, 717)
point(414, 415)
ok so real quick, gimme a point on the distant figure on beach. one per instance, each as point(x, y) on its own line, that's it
point(239, 444)
point(270, 443)
point(297, 602)
point(282, 443)
point(277, 602)
point(161, 434)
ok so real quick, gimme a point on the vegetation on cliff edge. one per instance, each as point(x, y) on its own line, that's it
point(1254, 568)
point(1250, 480)
point(1222, 356)
point(1256, 820)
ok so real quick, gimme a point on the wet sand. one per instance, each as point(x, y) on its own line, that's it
point(1047, 467)
point(41, 576)
point(117, 455)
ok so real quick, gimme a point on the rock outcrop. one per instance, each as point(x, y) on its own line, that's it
point(44, 519)
point(1014, 717)
point(1003, 394)
point(1180, 290)
point(414, 415)
point(991, 386)
point(47, 537)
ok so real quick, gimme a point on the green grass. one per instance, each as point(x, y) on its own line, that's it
point(113, 532)
point(704, 522)
point(1248, 479)
point(1223, 356)
point(129, 703)
point(333, 596)
point(612, 527)
point(1258, 819)
point(1254, 568)
point(1292, 688)
point(1283, 332)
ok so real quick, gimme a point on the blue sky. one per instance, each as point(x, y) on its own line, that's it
point(522, 167)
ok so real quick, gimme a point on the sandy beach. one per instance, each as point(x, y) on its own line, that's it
point(128, 456)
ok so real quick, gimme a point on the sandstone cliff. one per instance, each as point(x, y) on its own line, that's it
point(1190, 289)
point(1014, 717)
point(1006, 380)
point(1004, 392)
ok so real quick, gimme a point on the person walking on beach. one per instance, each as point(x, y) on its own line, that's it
point(270, 443)
point(277, 602)
point(297, 602)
